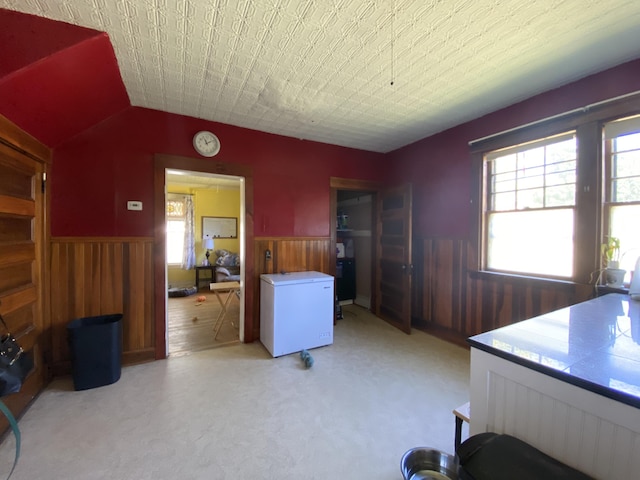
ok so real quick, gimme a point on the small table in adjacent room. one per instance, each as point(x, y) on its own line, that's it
point(212, 273)
point(230, 288)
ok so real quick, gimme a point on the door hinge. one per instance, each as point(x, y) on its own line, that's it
point(44, 181)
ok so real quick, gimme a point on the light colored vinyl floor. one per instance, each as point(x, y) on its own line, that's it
point(235, 413)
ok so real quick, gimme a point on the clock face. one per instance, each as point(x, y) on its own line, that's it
point(206, 143)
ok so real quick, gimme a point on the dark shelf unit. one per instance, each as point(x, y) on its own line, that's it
point(346, 278)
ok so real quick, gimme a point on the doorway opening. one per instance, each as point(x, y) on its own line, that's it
point(204, 225)
point(354, 233)
point(355, 247)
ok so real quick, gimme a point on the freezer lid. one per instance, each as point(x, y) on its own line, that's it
point(295, 277)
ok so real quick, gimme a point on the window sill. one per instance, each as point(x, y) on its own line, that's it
point(520, 279)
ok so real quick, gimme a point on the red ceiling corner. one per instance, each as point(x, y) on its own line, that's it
point(25, 39)
point(65, 78)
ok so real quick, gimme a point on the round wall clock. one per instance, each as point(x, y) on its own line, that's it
point(206, 143)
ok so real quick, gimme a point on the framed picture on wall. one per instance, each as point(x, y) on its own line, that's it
point(220, 227)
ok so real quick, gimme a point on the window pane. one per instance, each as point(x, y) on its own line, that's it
point(504, 164)
point(626, 164)
point(504, 182)
point(175, 208)
point(531, 158)
point(531, 178)
point(556, 167)
point(504, 201)
point(550, 166)
point(538, 242)
point(530, 198)
point(627, 142)
point(624, 225)
point(561, 178)
point(560, 196)
point(175, 241)
point(626, 190)
point(560, 151)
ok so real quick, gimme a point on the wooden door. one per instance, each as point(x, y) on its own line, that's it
point(393, 252)
point(22, 234)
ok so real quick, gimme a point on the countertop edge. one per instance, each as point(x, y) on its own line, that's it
point(558, 374)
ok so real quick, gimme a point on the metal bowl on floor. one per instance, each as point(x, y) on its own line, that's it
point(423, 463)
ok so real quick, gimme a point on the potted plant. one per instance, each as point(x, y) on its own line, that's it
point(614, 276)
point(611, 253)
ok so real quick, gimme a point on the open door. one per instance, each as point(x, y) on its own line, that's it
point(23, 164)
point(393, 253)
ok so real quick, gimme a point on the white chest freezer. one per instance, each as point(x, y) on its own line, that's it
point(296, 311)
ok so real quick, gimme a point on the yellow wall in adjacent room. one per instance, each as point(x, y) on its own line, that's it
point(224, 202)
point(216, 202)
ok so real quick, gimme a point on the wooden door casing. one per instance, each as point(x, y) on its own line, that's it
point(23, 252)
point(161, 163)
point(393, 252)
point(337, 184)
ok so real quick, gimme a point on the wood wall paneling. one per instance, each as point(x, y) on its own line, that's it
point(95, 276)
point(450, 300)
point(288, 255)
point(100, 276)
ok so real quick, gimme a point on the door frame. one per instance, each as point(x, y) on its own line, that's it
point(161, 163)
point(337, 183)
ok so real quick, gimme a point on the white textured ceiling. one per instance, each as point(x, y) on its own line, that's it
point(322, 70)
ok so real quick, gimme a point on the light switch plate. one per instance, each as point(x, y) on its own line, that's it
point(134, 205)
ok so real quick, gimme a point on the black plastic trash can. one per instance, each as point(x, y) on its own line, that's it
point(96, 350)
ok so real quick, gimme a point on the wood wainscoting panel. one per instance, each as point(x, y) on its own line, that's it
point(287, 254)
point(100, 276)
point(452, 299)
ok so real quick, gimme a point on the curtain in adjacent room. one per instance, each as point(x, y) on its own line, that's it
point(189, 256)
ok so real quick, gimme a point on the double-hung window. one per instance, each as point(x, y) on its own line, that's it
point(622, 187)
point(550, 194)
point(530, 200)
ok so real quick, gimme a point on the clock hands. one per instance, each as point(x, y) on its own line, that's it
point(206, 143)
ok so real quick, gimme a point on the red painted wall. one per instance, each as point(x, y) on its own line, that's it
point(440, 166)
point(96, 172)
point(56, 79)
point(25, 39)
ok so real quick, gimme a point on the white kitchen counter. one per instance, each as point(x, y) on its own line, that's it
point(567, 382)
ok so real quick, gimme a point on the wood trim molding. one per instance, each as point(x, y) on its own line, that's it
point(20, 140)
point(280, 239)
point(162, 162)
point(600, 112)
point(101, 239)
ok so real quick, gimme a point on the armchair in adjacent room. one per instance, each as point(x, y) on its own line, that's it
point(227, 266)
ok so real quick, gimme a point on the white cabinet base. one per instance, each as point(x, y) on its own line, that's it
point(594, 434)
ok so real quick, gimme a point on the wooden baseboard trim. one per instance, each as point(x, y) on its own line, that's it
point(442, 333)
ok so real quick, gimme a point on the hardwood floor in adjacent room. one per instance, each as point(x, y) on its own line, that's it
point(190, 323)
